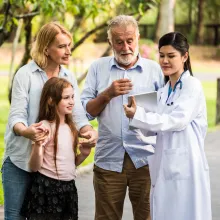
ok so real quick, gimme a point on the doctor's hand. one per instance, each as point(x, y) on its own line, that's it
point(119, 87)
point(131, 108)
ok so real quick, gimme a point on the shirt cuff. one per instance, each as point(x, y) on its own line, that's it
point(90, 117)
point(82, 124)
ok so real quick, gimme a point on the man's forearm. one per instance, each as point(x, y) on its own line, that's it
point(95, 106)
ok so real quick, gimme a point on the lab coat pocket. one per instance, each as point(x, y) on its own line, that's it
point(176, 164)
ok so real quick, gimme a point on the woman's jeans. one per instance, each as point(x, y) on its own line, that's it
point(15, 183)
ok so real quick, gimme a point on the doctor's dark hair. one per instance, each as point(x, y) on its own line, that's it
point(179, 42)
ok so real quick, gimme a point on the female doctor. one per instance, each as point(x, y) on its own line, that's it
point(179, 171)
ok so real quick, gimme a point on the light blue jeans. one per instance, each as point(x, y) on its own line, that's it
point(15, 183)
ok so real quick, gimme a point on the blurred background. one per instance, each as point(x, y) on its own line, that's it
point(198, 20)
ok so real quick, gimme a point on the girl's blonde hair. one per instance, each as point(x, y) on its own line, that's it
point(44, 38)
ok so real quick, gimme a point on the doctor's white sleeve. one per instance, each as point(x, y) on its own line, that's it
point(187, 107)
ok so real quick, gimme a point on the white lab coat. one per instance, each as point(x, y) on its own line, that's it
point(180, 187)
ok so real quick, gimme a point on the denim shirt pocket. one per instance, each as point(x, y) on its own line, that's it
point(176, 164)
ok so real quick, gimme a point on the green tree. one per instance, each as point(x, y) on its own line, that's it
point(165, 18)
point(82, 17)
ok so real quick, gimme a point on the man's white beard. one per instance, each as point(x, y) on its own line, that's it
point(126, 60)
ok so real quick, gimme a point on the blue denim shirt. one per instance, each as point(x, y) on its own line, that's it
point(26, 92)
point(115, 137)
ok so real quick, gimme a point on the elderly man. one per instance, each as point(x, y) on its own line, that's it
point(121, 157)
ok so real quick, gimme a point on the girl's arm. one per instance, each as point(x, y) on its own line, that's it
point(37, 152)
point(36, 158)
point(84, 153)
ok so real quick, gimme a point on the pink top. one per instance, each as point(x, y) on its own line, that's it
point(65, 158)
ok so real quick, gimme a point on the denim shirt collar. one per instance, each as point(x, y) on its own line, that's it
point(35, 68)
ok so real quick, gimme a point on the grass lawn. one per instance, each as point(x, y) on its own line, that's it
point(209, 89)
point(4, 108)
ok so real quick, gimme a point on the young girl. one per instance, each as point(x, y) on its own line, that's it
point(52, 194)
point(180, 186)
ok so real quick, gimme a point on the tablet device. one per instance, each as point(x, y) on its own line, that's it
point(146, 100)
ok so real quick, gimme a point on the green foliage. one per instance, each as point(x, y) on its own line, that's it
point(4, 109)
point(1, 19)
point(80, 16)
point(210, 90)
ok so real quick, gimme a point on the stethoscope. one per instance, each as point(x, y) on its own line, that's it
point(179, 82)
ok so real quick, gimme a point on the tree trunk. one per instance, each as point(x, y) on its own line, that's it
point(14, 47)
point(26, 56)
point(200, 23)
point(165, 18)
point(157, 23)
point(218, 102)
point(190, 8)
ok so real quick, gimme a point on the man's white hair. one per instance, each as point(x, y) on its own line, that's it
point(120, 21)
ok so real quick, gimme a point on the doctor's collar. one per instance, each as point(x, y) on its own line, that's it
point(178, 82)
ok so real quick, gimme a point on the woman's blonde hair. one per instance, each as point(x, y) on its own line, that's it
point(44, 38)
